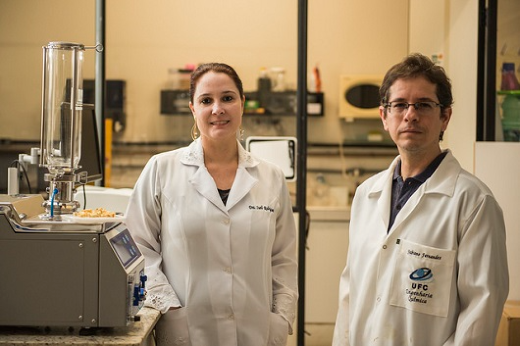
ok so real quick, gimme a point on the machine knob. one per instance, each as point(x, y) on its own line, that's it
point(139, 290)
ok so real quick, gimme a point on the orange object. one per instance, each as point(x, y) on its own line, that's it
point(317, 79)
point(108, 151)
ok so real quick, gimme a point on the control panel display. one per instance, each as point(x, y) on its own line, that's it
point(125, 247)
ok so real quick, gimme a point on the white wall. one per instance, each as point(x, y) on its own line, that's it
point(449, 28)
point(145, 39)
point(26, 26)
point(502, 155)
point(461, 65)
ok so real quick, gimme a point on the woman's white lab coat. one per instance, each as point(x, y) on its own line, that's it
point(232, 268)
point(439, 277)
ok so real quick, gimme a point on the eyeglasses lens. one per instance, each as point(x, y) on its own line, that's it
point(424, 107)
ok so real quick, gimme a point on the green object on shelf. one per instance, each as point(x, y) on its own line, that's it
point(511, 117)
point(508, 92)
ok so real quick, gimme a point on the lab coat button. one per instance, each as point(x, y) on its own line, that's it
point(227, 269)
point(378, 299)
point(226, 221)
point(384, 247)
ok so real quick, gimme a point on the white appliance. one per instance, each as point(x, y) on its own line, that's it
point(359, 96)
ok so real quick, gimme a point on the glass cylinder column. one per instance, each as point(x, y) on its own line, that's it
point(62, 99)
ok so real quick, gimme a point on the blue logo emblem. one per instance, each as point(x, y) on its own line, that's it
point(421, 274)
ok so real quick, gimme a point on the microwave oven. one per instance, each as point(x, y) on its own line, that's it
point(359, 96)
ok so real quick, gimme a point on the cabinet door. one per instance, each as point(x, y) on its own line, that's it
point(325, 260)
point(507, 192)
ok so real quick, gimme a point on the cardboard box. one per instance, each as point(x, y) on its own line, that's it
point(509, 328)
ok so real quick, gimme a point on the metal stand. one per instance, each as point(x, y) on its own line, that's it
point(301, 180)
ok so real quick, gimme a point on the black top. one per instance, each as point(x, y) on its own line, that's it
point(403, 190)
point(224, 194)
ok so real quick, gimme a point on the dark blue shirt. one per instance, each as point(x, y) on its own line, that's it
point(403, 190)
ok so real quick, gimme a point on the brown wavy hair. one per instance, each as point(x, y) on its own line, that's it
point(217, 68)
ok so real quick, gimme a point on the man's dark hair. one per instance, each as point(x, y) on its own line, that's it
point(417, 65)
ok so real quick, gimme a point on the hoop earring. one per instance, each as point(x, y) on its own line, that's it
point(194, 131)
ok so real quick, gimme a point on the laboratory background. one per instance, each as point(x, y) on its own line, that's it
point(152, 46)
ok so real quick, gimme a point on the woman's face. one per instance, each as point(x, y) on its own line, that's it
point(217, 107)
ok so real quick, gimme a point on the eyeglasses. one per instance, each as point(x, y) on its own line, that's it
point(422, 107)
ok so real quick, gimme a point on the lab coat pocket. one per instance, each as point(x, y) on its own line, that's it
point(172, 329)
point(422, 278)
point(278, 330)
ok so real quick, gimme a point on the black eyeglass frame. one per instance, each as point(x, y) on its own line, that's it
point(415, 105)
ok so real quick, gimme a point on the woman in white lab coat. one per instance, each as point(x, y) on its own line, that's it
point(427, 260)
point(216, 227)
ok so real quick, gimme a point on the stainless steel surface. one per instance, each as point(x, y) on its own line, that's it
point(63, 273)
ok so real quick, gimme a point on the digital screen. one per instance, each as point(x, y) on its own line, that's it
point(278, 150)
point(125, 247)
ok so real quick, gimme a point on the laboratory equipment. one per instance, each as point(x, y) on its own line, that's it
point(60, 268)
point(62, 102)
point(279, 150)
point(71, 273)
point(359, 96)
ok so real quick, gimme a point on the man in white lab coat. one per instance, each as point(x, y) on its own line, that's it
point(427, 260)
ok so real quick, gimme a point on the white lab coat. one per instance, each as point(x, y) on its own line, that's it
point(439, 277)
point(232, 268)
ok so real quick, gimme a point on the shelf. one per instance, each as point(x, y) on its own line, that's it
point(350, 148)
point(284, 103)
point(508, 92)
point(175, 102)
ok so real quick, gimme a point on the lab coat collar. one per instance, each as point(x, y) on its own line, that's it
point(194, 156)
point(442, 181)
point(204, 183)
point(448, 173)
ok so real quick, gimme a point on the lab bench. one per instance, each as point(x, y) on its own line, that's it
point(138, 333)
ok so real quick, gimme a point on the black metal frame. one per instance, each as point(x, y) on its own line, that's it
point(100, 78)
point(486, 79)
point(301, 128)
point(301, 180)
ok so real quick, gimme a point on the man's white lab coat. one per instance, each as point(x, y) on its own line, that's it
point(438, 277)
point(232, 268)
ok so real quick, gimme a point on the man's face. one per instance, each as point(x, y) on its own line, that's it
point(415, 131)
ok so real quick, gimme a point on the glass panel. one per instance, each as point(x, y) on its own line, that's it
point(507, 70)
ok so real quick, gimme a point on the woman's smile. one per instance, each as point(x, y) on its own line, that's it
point(219, 122)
